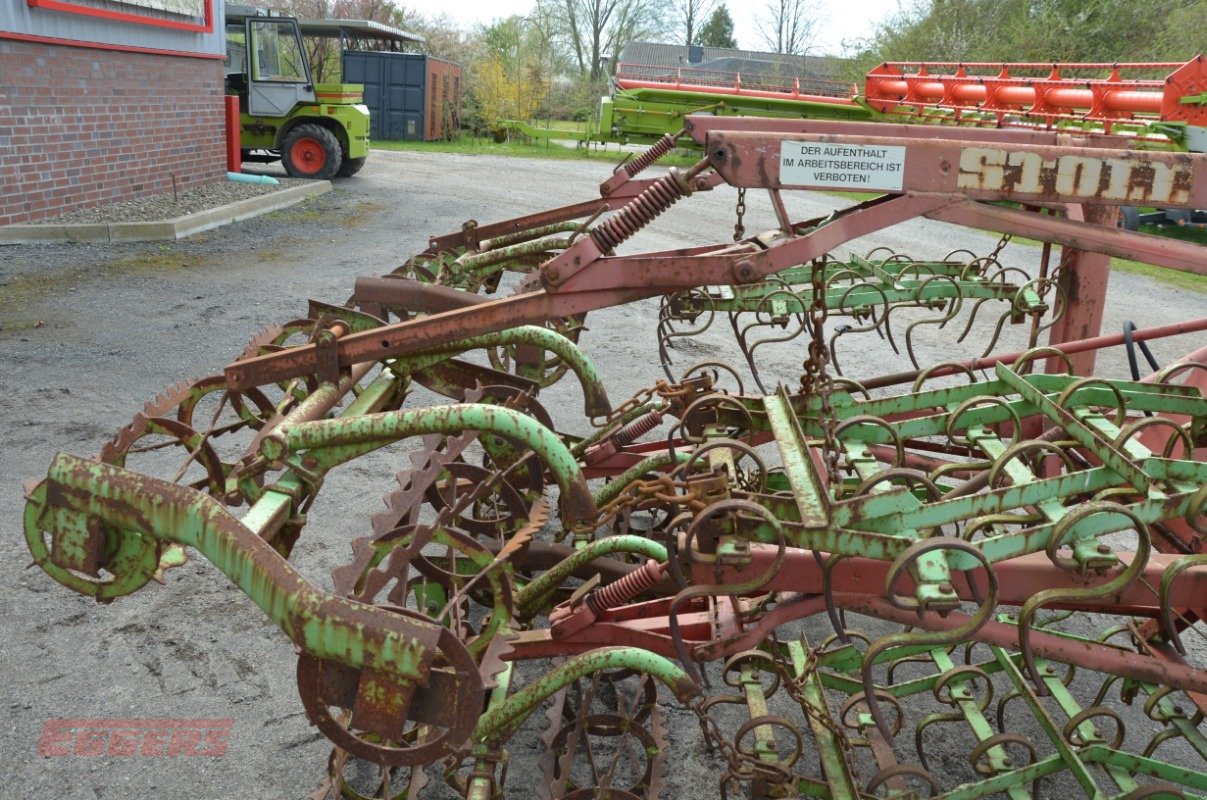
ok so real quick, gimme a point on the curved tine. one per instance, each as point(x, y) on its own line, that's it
point(746, 354)
point(953, 419)
point(972, 315)
point(1167, 374)
point(952, 255)
point(935, 638)
point(980, 265)
point(920, 272)
point(999, 740)
point(1060, 531)
point(867, 419)
point(850, 386)
point(773, 339)
point(898, 771)
point(925, 374)
point(1058, 308)
point(876, 250)
point(1077, 385)
point(1104, 688)
point(1071, 735)
point(842, 330)
point(1178, 432)
point(842, 309)
point(1028, 449)
point(1042, 351)
point(924, 723)
point(837, 616)
point(843, 275)
point(1160, 739)
point(997, 332)
point(956, 303)
point(922, 658)
point(1169, 625)
point(1001, 707)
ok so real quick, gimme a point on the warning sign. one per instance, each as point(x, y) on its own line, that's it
point(842, 166)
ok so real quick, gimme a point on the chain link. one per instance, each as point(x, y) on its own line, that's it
point(1001, 245)
point(796, 684)
point(739, 228)
point(815, 380)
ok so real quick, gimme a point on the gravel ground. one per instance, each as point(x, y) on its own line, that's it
point(92, 332)
point(169, 206)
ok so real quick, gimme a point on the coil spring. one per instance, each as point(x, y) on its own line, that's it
point(641, 211)
point(625, 589)
point(657, 151)
point(637, 428)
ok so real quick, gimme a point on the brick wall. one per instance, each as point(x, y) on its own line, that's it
point(81, 127)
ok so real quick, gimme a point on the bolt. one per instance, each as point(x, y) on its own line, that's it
point(744, 271)
point(310, 462)
point(1104, 549)
point(946, 588)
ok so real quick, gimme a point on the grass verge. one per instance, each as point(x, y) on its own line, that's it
point(519, 148)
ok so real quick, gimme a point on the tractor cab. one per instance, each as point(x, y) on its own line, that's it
point(267, 66)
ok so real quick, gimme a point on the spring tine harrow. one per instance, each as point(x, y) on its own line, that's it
point(969, 579)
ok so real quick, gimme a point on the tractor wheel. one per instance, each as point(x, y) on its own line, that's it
point(311, 151)
point(351, 166)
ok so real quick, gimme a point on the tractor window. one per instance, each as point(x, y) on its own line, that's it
point(278, 54)
point(236, 49)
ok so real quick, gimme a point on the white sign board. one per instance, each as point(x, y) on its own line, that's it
point(878, 168)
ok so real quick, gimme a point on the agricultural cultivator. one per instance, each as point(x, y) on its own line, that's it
point(820, 579)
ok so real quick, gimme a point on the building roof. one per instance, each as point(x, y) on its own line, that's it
point(355, 29)
point(717, 59)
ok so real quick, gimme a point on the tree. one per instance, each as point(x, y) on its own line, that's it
point(598, 29)
point(509, 80)
point(718, 31)
point(789, 26)
point(324, 53)
point(689, 15)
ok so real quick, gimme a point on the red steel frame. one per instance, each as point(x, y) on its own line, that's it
point(746, 153)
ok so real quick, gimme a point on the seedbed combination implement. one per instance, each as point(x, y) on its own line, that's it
point(814, 581)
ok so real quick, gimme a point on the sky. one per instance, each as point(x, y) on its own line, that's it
point(845, 19)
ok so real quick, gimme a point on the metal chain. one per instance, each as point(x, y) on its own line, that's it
point(796, 685)
point(739, 767)
point(1001, 245)
point(815, 380)
point(739, 228)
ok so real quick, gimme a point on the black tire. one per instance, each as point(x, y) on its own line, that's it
point(311, 151)
point(1129, 218)
point(351, 166)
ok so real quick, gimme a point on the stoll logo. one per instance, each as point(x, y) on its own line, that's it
point(135, 737)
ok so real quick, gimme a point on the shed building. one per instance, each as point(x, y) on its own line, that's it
point(107, 100)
